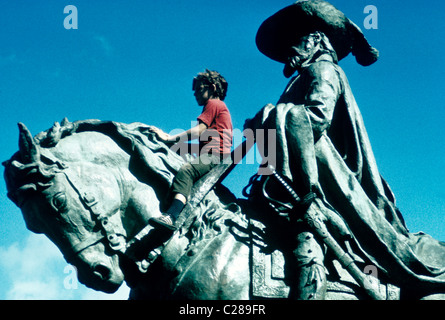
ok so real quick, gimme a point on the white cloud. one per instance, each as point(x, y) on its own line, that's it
point(33, 290)
point(36, 270)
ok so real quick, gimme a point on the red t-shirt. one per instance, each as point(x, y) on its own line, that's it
point(217, 139)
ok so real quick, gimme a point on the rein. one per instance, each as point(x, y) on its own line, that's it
point(111, 228)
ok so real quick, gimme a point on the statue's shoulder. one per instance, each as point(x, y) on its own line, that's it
point(322, 67)
point(324, 71)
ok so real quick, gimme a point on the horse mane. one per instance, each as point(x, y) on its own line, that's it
point(33, 167)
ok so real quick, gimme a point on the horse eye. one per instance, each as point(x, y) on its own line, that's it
point(58, 202)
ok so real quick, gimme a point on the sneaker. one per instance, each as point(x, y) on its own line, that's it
point(164, 222)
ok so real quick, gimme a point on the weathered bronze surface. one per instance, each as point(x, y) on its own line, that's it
point(326, 227)
point(93, 188)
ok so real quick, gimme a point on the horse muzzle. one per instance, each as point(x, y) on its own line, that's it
point(97, 270)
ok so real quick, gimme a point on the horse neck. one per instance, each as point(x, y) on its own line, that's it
point(93, 153)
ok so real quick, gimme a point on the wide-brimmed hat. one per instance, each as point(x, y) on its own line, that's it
point(281, 31)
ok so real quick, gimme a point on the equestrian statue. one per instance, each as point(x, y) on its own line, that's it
point(316, 222)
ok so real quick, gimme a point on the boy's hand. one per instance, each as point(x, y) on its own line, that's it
point(161, 134)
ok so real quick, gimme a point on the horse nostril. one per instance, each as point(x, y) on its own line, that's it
point(102, 271)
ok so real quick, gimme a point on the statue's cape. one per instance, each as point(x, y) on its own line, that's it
point(351, 184)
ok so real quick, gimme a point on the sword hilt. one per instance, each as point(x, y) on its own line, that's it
point(285, 185)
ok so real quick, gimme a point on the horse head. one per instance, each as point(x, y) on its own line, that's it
point(77, 206)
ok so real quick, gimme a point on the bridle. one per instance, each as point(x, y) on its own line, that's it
point(111, 227)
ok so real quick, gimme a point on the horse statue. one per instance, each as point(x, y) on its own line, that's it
point(92, 186)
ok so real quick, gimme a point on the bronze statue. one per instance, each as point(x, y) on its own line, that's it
point(93, 187)
point(324, 151)
point(312, 229)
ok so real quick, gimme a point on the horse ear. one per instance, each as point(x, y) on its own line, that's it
point(29, 150)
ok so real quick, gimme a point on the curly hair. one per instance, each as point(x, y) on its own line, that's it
point(211, 78)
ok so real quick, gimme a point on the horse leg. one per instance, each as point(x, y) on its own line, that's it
point(235, 276)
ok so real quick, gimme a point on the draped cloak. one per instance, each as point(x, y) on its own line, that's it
point(349, 179)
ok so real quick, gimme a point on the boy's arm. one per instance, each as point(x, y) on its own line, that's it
point(190, 134)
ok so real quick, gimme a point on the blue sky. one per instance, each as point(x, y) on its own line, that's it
point(134, 61)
